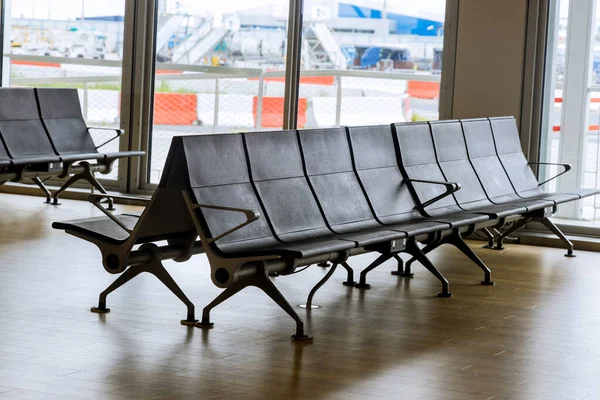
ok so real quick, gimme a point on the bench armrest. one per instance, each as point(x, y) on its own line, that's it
point(95, 200)
point(567, 168)
point(92, 198)
point(251, 216)
point(451, 187)
point(119, 132)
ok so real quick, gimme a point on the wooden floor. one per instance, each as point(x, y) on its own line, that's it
point(535, 335)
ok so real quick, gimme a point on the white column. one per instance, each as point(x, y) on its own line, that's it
point(6, 8)
point(574, 121)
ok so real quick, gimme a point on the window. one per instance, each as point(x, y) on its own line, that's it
point(220, 68)
point(373, 64)
point(69, 43)
point(570, 134)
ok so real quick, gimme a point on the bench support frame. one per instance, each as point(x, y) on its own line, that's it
point(87, 174)
point(348, 282)
point(413, 249)
point(256, 275)
point(156, 268)
point(544, 221)
point(456, 240)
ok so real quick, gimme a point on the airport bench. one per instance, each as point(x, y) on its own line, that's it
point(43, 134)
point(274, 202)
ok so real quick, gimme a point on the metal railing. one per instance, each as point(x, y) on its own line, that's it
point(203, 73)
point(211, 85)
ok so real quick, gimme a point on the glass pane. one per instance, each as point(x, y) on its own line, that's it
point(70, 43)
point(376, 63)
point(550, 141)
point(559, 109)
point(220, 68)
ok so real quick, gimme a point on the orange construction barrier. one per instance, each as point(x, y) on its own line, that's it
point(35, 63)
point(591, 128)
point(304, 80)
point(175, 108)
point(423, 90)
point(272, 112)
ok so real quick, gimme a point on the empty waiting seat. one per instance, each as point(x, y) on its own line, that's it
point(337, 189)
point(508, 147)
point(22, 131)
point(60, 112)
point(418, 161)
point(482, 154)
point(451, 153)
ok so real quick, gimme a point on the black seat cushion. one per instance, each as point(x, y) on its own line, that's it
point(418, 161)
point(482, 153)
point(377, 168)
point(60, 110)
point(328, 164)
point(508, 146)
point(278, 175)
point(458, 220)
point(418, 228)
point(218, 175)
point(20, 125)
point(102, 228)
point(300, 249)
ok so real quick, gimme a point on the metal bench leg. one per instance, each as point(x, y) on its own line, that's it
point(311, 295)
point(64, 187)
point(157, 269)
point(363, 275)
point(350, 279)
point(554, 229)
point(125, 277)
point(457, 241)
point(413, 249)
point(427, 249)
point(490, 238)
point(400, 269)
point(41, 185)
point(88, 176)
point(261, 281)
point(518, 225)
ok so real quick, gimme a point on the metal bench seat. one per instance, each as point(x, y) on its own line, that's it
point(274, 202)
point(43, 134)
point(302, 249)
point(390, 192)
point(60, 113)
point(101, 228)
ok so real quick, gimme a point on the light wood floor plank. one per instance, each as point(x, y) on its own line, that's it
point(532, 336)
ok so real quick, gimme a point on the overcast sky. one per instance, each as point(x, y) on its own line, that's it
point(70, 9)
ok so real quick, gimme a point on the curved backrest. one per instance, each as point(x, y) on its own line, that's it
point(328, 165)
point(278, 175)
point(485, 161)
point(218, 175)
point(20, 125)
point(418, 159)
point(453, 160)
point(376, 165)
point(61, 112)
point(4, 157)
point(508, 147)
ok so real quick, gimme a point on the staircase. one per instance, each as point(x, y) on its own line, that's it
point(323, 51)
point(167, 28)
point(201, 40)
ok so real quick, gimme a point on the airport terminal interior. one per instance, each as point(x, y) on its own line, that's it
point(300, 199)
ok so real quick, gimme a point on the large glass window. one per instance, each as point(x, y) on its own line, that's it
point(570, 133)
point(69, 43)
point(220, 68)
point(373, 62)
